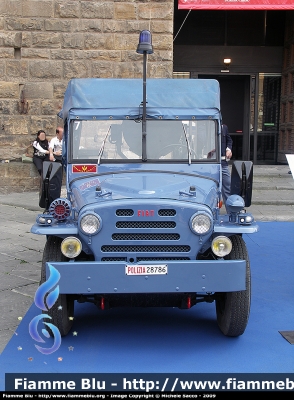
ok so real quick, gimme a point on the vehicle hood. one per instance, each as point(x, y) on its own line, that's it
point(144, 185)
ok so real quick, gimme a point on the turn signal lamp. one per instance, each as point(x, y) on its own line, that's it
point(44, 219)
point(245, 219)
point(71, 247)
point(221, 246)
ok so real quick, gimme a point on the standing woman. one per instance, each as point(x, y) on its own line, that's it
point(41, 150)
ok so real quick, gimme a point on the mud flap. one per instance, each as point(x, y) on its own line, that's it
point(51, 185)
point(242, 180)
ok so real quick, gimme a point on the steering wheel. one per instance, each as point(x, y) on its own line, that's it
point(162, 152)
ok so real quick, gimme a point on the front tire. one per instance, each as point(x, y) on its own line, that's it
point(62, 311)
point(233, 308)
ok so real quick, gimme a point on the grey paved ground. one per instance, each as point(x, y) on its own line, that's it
point(20, 262)
point(21, 251)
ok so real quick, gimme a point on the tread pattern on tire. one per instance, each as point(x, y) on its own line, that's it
point(60, 317)
point(234, 307)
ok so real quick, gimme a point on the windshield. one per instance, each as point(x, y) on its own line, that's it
point(115, 140)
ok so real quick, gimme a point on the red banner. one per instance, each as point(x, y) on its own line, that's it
point(236, 4)
point(84, 168)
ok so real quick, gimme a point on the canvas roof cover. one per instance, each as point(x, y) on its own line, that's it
point(121, 98)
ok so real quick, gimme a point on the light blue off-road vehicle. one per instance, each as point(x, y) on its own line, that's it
point(141, 223)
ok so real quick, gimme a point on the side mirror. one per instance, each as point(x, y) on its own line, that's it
point(242, 180)
point(51, 183)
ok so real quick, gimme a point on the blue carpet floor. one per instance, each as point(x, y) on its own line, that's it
point(172, 340)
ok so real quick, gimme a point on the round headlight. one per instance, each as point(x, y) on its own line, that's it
point(90, 224)
point(221, 246)
point(201, 224)
point(71, 247)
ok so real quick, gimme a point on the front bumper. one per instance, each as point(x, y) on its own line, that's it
point(96, 277)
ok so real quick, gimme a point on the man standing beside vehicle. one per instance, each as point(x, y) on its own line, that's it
point(55, 146)
point(55, 154)
point(226, 154)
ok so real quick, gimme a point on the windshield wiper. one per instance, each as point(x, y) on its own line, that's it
point(102, 146)
point(188, 144)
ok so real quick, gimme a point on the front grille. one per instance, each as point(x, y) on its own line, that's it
point(145, 236)
point(145, 224)
point(145, 248)
point(166, 213)
point(146, 232)
point(124, 213)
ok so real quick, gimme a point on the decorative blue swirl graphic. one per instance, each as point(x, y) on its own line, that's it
point(51, 299)
point(33, 329)
point(45, 288)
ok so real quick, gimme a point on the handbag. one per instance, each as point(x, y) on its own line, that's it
point(40, 154)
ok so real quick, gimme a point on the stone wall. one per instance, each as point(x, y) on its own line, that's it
point(45, 43)
point(18, 177)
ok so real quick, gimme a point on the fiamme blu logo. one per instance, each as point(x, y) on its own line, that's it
point(45, 297)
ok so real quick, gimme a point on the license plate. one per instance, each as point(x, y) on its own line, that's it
point(146, 269)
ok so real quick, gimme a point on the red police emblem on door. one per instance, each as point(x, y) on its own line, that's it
point(84, 168)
